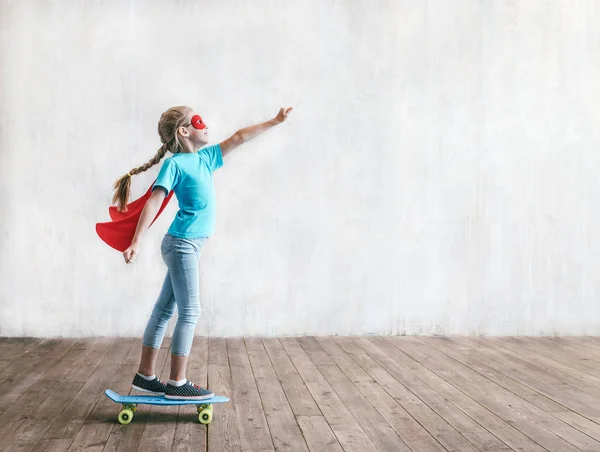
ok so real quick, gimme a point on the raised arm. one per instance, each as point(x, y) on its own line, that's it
point(247, 133)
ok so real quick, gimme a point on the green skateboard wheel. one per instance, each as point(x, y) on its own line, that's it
point(205, 416)
point(125, 416)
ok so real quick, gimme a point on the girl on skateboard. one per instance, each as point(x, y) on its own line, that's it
point(187, 173)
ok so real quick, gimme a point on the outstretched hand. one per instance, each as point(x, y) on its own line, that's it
point(283, 114)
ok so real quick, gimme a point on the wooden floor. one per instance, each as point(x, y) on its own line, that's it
point(311, 394)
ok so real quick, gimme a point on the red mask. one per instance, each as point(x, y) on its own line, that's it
point(197, 122)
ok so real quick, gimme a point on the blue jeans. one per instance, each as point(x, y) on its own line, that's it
point(181, 287)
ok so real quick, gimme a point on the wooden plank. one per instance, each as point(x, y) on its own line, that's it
point(16, 348)
point(97, 427)
point(4, 363)
point(190, 435)
point(16, 414)
point(88, 363)
point(412, 432)
point(29, 401)
point(347, 430)
point(22, 374)
point(254, 431)
point(284, 430)
point(90, 343)
point(343, 359)
point(581, 343)
point(223, 433)
point(11, 348)
point(109, 355)
point(435, 418)
point(68, 362)
point(318, 434)
point(298, 395)
point(317, 355)
point(540, 426)
point(127, 437)
point(58, 406)
point(31, 431)
point(410, 373)
point(587, 426)
point(56, 445)
point(533, 377)
point(569, 356)
point(48, 408)
point(380, 432)
point(513, 374)
point(577, 379)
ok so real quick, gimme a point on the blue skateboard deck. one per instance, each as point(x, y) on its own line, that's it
point(130, 403)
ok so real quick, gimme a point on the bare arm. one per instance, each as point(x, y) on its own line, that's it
point(248, 133)
point(148, 214)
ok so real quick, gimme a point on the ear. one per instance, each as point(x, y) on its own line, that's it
point(182, 131)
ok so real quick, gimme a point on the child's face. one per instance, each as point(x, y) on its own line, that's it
point(197, 130)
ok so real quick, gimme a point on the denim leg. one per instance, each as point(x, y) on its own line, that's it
point(182, 260)
point(161, 314)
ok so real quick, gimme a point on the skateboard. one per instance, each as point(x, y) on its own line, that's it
point(130, 403)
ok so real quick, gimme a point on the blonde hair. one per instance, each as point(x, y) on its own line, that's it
point(168, 124)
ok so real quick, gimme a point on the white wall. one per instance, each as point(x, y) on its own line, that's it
point(440, 172)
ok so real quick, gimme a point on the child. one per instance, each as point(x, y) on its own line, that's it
point(189, 174)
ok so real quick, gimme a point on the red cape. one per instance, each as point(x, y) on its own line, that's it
point(119, 232)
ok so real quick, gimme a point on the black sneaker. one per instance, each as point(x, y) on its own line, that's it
point(155, 387)
point(187, 391)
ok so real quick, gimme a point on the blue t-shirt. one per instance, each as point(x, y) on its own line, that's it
point(190, 176)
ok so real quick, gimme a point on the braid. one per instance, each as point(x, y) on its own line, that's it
point(123, 185)
point(168, 124)
point(153, 161)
